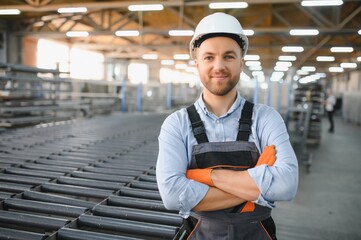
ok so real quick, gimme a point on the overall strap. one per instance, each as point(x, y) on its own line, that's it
point(245, 122)
point(197, 125)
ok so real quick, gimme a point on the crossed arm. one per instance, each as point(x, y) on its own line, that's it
point(229, 188)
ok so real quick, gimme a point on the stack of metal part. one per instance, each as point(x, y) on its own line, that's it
point(88, 179)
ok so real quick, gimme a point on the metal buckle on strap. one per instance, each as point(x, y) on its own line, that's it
point(198, 128)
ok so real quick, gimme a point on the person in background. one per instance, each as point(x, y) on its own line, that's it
point(223, 162)
point(330, 109)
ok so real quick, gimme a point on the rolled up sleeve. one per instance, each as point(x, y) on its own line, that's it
point(177, 192)
point(280, 181)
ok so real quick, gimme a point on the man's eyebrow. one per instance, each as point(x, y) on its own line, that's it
point(230, 52)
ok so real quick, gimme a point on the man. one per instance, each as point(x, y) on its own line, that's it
point(330, 104)
point(209, 167)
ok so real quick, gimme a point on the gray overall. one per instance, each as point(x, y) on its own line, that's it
point(228, 224)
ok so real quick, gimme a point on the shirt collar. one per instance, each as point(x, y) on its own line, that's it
point(239, 102)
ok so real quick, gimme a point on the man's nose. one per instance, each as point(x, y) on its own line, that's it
point(219, 64)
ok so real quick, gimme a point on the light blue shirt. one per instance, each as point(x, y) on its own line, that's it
point(276, 183)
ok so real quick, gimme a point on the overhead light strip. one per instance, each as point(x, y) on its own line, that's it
point(292, 49)
point(342, 49)
point(10, 11)
point(227, 5)
point(77, 34)
point(180, 33)
point(325, 58)
point(304, 32)
point(320, 3)
point(335, 69)
point(287, 58)
point(348, 65)
point(127, 33)
point(73, 10)
point(146, 7)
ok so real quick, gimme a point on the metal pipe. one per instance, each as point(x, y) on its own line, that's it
point(13, 234)
point(90, 183)
point(76, 234)
point(76, 190)
point(138, 203)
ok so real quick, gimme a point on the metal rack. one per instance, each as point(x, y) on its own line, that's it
point(298, 122)
point(85, 179)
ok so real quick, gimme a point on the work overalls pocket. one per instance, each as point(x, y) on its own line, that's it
point(269, 227)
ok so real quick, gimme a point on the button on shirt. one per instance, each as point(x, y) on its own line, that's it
point(276, 183)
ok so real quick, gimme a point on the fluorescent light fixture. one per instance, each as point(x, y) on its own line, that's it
point(341, 49)
point(304, 32)
point(284, 64)
point(180, 66)
point(302, 72)
point(167, 62)
point(150, 56)
point(248, 32)
point(335, 69)
point(359, 59)
point(276, 76)
point(77, 34)
point(308, 68)
point(319, 3)
point(292, 49)
point(255, 68)
point(325, 58)
point(181, 56)
point(281, 68)
point(73, 10)
point(10, 11)
point(287, 58)
point(255, 73)
point(127, 33)
point(181, 33)
point(359, 32)
point(251, 57)
point(145, 7)
point(348, 65)
point(253, 63)
point(320, 75)
point(227, 5)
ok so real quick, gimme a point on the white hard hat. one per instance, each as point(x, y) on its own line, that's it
point(218, 24)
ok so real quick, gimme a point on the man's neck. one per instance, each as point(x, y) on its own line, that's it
point(219, 105)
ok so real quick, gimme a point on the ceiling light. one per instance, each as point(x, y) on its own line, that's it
point(254, 73)
point(77, 34)
point(287, 58)
point(73, 10)
point(181, 56)
point(251, 57)
point(284, 64)
point(127, 33)
point(276, 76)
point(225, 5)
point(255, 68)
point(304, 32)
point(181, 32)
point(281, 68)
point(146, 7)
point(10, 11)
point(335, 69)
point(359, 59)
point(314, 3)
point(359, 32)
point(150, 56)
point(253, 63)
point(302, 72)
point(248, 32)
point(342, 49)
point(308, 68)
point(167, 62)
point(325, 59)
point(181, 66)
point(348, 65)
point(320, 75)
point(292, 49)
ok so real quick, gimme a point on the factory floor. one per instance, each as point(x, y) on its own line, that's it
point(328, 202)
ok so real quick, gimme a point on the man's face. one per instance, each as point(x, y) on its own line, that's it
point(219, 64)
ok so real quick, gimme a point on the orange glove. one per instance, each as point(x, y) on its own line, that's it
point(268, 157)
point(201, 175)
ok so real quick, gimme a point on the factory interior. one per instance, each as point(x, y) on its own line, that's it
point(85, 86)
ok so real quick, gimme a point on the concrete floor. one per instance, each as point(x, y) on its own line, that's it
point(328, 202)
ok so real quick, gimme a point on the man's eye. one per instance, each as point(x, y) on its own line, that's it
point(229, 57)
point(208, 58)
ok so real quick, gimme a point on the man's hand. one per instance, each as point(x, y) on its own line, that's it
point(201, 175)
point(268, 156)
